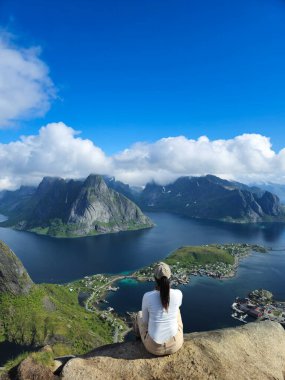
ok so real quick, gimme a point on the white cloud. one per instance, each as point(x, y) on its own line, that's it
point(55, 151)
point(247, 158)
point(58, 150)
point(26, 89)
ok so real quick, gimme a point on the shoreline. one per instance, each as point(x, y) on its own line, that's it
point(219, 270)
point(39, 233)
point(140, 278)
point(95, 290)
point(98, 286)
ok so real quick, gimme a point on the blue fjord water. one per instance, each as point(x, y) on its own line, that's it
point(61, 260)
point(206, 301)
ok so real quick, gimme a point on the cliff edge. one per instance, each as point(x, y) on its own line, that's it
point(253, 351)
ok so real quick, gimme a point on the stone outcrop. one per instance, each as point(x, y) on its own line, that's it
point(14, 278)
point(253, 351)
point(30, 369)
point(101, 208)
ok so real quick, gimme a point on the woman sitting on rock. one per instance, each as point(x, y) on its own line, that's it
point(159, 322)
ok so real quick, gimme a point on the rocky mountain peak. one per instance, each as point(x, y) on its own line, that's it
point(46, 184)
point(96, 182)
point(66, 208)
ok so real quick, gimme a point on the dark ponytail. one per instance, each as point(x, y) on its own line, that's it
point(164, 289)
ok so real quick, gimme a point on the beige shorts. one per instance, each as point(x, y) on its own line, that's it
point(167, 348)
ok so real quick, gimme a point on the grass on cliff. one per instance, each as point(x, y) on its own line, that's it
point(45, 358)
point(50, 314)
point(14, 362)
point(199, 255)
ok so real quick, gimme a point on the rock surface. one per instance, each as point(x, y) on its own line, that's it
point(103, 209)
point(29, 369)
point(253, 351)
point(13, 200)
point(13, 276)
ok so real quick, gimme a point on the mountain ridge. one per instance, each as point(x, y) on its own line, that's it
point(70, 208)
point(210, 197)
point(204, 197)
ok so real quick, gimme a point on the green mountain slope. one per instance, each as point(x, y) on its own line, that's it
point(37, 315)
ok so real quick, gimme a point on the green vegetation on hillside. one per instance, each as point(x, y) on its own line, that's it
point(50, 314)
point(61, 230)
point(199, 255)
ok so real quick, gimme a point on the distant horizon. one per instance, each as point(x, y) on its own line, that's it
point(142, 91)
point(82, 179)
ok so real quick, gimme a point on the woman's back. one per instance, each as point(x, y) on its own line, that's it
point(159, 322)
point(162, 324)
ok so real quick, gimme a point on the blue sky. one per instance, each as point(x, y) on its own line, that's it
point(124, 72)
point(129, 71)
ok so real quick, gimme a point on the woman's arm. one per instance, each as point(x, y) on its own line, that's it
point(145, 314)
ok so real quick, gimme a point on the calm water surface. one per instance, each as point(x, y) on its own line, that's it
point(10, 350)
point(61, 260)
point(206, 303)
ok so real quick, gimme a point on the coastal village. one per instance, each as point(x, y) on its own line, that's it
point(91, 292)
point(219, 261)
point(260, 304)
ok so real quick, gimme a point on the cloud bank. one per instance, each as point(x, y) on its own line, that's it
point(26, 89)
point(58, 150)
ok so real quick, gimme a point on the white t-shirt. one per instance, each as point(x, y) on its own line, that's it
point(162, 324)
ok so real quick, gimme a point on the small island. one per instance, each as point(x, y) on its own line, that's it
point(213, 260)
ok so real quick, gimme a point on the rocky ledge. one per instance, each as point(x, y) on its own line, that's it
point(253, 351)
